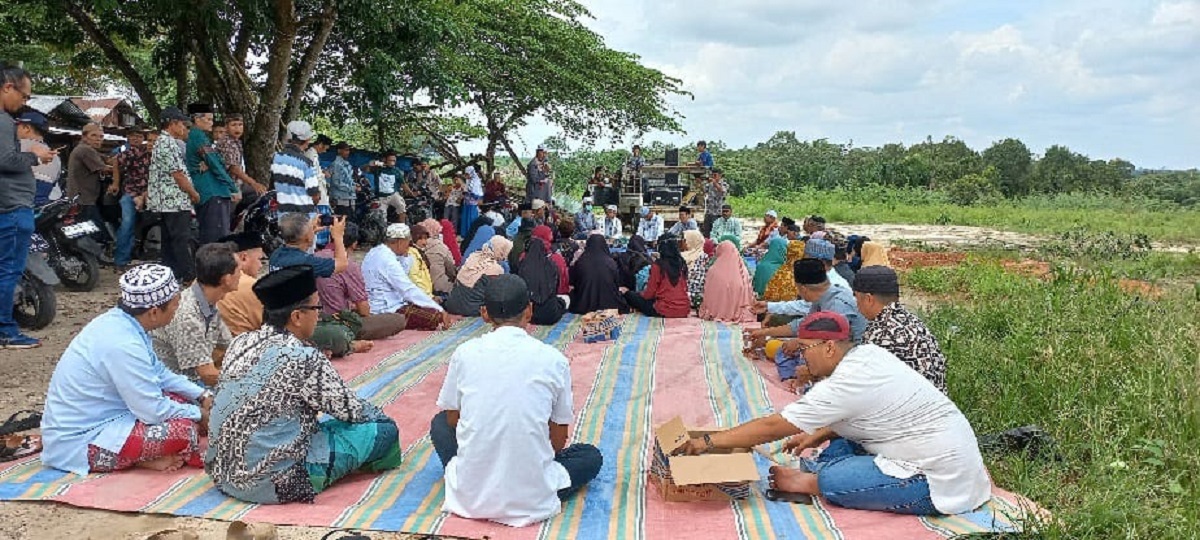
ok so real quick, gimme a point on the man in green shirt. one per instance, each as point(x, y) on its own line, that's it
point(218, 191)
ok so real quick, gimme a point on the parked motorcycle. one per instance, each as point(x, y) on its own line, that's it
point(71, 251)
point(34, 302)
point(262, 217)
point(373, 224)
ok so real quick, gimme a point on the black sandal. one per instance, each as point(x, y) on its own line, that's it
point(33, 420)
point(27, 446)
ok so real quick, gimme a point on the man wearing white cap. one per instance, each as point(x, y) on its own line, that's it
point(297, 182)
point(768, 231)
point(112, 404)
point(651, 225)
point(611, 226)
point(390, 290)
point(539, 177)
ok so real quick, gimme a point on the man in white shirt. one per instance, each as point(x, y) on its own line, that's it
point(650, 227)
point(390, 290)
point(686, 223)
point(611, 225)
point(509, 464)
point(897, 443)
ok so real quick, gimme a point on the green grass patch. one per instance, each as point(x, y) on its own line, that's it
point(1111, 376)
point(1043, 215)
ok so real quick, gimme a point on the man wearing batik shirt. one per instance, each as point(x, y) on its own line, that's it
point(230, 148)
point(190, 344)
point(714, 199)
point(131, 172)
point(894, 328)
point(266, 444)
point(170, 193)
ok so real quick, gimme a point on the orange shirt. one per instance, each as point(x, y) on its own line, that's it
point(241, 309)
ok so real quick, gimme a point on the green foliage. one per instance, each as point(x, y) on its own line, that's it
point(1109, 375)
point(1014, 166)
point(975, 188)
point(1179, 187)
point(1082, 243)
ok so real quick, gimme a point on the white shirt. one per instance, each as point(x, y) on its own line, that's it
point(507, 387)
point(650, 229)
point(388, 285)
point(876, 400)
point(612, 227)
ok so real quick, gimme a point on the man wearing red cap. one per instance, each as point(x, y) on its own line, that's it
point(897, 444)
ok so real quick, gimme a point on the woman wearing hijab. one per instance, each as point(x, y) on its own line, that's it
point(544, 277)
point(770, 264)
point(442, 269)
point(666, 292)
point(697, 264)
point(450, 238)
point(520, 242)
point(595, 279)
point(467, 295)
point(728, 296)
point(873, 254)
point(469, 233)
point(472, 194)
point(480, 237)
point(543, 234)
point(782, 286)
point(629, 263)
point(418, 270)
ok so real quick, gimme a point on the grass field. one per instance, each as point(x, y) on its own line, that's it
point(1111, 376)
point(1043, 215)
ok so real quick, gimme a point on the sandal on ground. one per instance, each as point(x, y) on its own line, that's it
point(174, 534)
point(241, 530)
point(346, 534)
point(32, 420)
point(20, 446)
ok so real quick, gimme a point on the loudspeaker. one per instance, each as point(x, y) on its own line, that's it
point(666, 197)
point(672, 179)
point(672, 157)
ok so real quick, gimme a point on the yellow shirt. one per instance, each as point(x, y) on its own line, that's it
point(419, 272)
point(241, 309)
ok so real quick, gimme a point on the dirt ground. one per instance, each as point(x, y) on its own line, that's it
point(24, 376)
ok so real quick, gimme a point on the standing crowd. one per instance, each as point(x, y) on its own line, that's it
point(206, 344)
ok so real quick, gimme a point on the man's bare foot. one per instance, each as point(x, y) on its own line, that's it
point(163, 464)
point(361, 346)
point(792, 480)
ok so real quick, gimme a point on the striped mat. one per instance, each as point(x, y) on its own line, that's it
point(657, 370)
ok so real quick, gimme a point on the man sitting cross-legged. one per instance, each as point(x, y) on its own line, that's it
point(894, 327)
point(194, 342)
point(390, 290)
point(897, 444)
point(502, 433)
point(266, 444)
point(112, 404)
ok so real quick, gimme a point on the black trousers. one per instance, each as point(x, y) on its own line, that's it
point(177, 245)
point(706, 226)
point(635, 301)
point(215, 216)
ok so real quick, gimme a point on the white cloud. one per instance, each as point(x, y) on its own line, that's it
point(1105, 77)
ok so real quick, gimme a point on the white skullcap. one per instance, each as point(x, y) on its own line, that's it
point(147, 286)
point(398, 231)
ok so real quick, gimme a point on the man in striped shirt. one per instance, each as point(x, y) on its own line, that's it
point(293, 174)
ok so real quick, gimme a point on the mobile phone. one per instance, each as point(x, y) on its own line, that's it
point(326, 220)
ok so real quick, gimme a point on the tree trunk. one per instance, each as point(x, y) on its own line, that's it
point(260, 144)
point(114, 55)
point(182, 79)
point(308, 62)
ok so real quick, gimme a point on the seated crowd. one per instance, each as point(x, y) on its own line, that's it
point(247, 361)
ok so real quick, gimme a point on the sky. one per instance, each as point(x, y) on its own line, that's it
point(1106, 78)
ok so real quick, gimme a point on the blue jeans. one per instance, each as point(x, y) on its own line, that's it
point(582, 461)
point(848, 477)
point(125, 233)
point(16, 227)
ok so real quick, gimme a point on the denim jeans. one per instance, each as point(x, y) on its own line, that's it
point(582, 461)
point(848, 477)
point(125, 233)
point(16, 227)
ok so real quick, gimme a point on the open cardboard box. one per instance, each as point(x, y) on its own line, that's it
point(721, 475)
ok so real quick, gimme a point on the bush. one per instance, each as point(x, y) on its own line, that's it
point(975, 189)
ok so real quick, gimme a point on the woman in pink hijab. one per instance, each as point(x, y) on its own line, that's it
point(728, 294)
point(450, 238)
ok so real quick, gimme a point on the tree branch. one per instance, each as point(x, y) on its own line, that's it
point(308, 62)
point(114, 55)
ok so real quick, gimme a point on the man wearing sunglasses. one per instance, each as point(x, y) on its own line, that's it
point(17, 188)
point(896, 443)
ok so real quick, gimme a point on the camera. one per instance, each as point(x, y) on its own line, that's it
point(326, 220)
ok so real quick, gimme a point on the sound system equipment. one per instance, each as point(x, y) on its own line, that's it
point(666, 197)
point(673, 179)
point(672, 157)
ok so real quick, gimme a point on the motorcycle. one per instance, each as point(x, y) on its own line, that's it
point(71, 251)
point(373, 224)
point(418, 208)
point(34, 303)
point(262, 217)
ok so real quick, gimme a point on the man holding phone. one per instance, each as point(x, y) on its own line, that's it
point(17, 188)
point(299, 233)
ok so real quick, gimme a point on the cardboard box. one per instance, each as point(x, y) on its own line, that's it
point(721, 475)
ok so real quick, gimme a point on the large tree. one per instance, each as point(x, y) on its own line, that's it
point(1013, 163)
